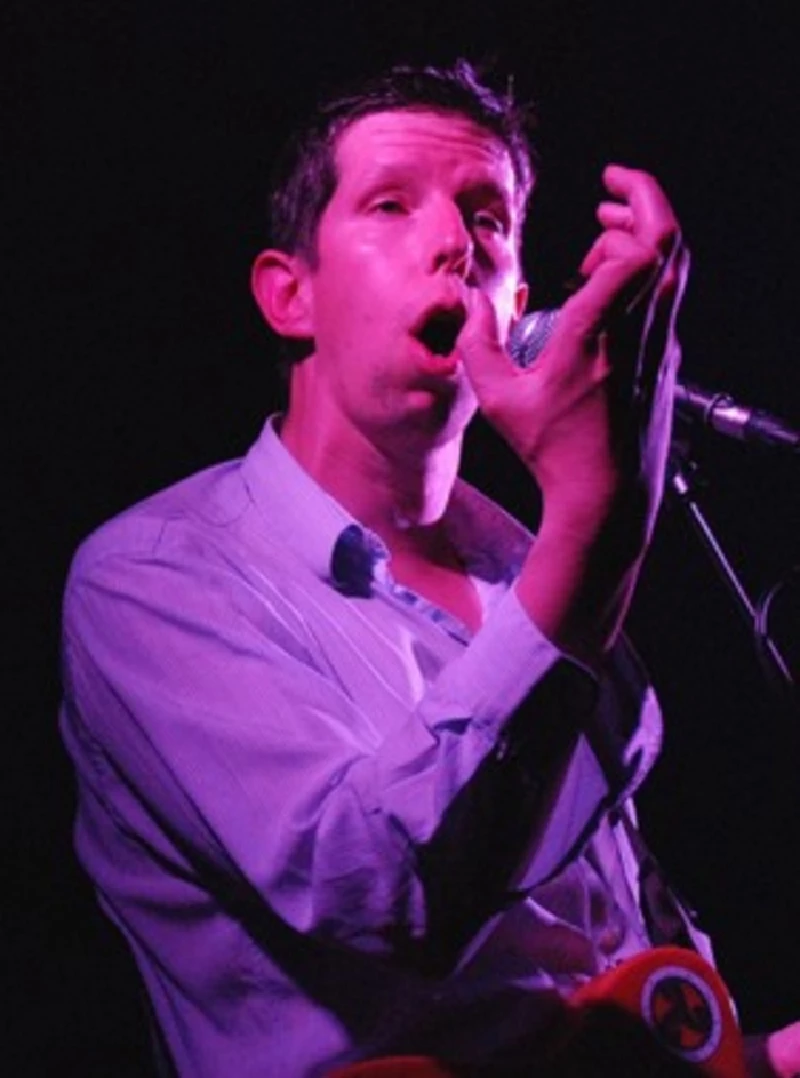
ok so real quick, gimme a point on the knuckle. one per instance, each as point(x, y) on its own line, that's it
point(643, 260)
point(654, 256)
point(667, 238)
point(642, 176)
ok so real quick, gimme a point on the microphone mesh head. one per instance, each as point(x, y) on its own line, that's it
point(529, 336)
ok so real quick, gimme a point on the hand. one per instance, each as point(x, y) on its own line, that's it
point(783, 1051)
point(592, 417)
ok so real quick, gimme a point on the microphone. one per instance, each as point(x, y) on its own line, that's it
point(715, 410)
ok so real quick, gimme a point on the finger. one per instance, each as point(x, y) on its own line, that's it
point(653, 219)
point(612, 287)
point(619, 245)
point(617, 298)
point(615, 215)
point(660, 352)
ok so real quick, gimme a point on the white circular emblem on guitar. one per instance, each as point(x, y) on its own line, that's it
point(683, 1012)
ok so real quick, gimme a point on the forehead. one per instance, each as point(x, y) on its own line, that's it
point(428, 143)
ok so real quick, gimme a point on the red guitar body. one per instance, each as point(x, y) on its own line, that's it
point(676, 993)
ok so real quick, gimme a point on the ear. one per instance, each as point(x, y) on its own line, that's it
point(280, 286)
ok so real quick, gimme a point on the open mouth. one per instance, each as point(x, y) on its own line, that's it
point(438, 330)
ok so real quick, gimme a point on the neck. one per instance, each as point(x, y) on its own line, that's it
point(399, 491)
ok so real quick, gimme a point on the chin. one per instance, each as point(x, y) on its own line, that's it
point(439, 410)
point(424, 427)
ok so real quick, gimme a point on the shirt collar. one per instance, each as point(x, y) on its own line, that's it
point(339, 549)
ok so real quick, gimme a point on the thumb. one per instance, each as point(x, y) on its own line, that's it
point(484, 356)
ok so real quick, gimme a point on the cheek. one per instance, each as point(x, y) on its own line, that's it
point(355, 296)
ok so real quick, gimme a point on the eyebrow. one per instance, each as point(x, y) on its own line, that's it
point(377, 174)
point(490, 191)
point(477, 188)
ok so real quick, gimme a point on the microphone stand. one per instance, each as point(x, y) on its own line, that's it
point(682, 479)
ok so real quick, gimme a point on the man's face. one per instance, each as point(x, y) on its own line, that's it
point(424, 210)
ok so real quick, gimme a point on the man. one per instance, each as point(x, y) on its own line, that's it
point(355, 756)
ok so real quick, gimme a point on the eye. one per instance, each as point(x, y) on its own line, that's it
point(489, 221)
point(389, 205)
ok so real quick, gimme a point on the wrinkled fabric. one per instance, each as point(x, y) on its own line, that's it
point(329, 821)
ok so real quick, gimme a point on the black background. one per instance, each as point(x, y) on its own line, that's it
point(137, 142)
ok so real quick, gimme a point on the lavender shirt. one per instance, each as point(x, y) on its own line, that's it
point(330, 821)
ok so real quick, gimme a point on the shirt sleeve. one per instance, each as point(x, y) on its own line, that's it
point(229, 755)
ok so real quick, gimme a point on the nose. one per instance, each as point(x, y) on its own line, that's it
point(450, 243)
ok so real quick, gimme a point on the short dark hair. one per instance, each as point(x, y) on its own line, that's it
point(305, 177)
